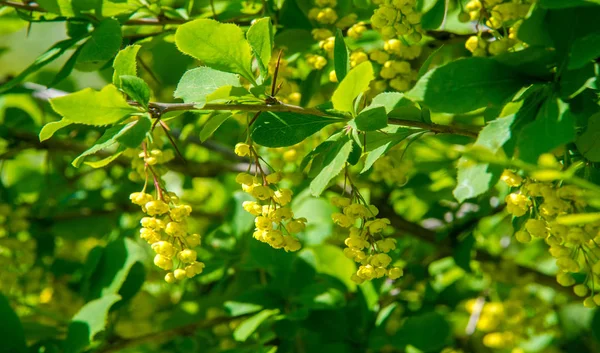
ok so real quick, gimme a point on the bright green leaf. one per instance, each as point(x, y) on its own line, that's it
point(218, 45)
point(88, 322)
point(136, 88)
point(467, 84)
point(371, 119)
point(105, 161)
point(281, 129)
point(197, 84)
point(212, 124)
point(261, 38)
point(51, 128)
point(356, 82)
point(125, 63)
point(101, 46)
point(332, 165)
point(134, 132)
point(250, 325)
point(93, 108)
point(378, 143)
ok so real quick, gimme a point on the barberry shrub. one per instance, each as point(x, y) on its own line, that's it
point(300, 176)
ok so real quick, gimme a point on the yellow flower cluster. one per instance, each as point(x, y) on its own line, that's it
point(575, 247)
point(514, 320)
point(153, 157)
point(166, 230)
point(362, 246)
point(499, 14)
point(396, 71)
point(275, 222)
point(397, 18)
point(390, 170)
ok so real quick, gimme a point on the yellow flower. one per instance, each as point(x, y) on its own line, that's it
point(356, 242)
point(377, 225)
point(517, 204)
point(342, 220)
point(157, 207)
point(296, 226)
point(283, 196)
point(176, 229)
point(338, 201)
point(140, 198)
point(163, 262)
point(263, 223)
point(536, 228)
point(193, 240)
point(187, 255)
point(291, 243)
point(163, 248)
point(511, 179)
point(380, 260)
point(252, 207)
point(395, 273)
point(242, 149)
point(262, 192)
point(386, 245)
point(356, 211)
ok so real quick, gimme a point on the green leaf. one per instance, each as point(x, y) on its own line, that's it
point(561, 4)
point(371, 119)
point(125, 63)
point(218, 45)
point(589, 142)
point(197, 84)
point(281, 129)
point(93, 108)
point(412, 332)
point(102, 45)
point(51, 128)
point(136, 88)
point(88, 322)
point(356, 82)
point(434, 18)
point(129, 135)
point(114, 267)
point(584, 50)
point(250, 325)
point(330, 260)
point(425, 67)
point(467, 84)
point(341, 56)
point(212, 124)
point(105, 161)
point(573, 82)
point(261, 38)
point(46, 58)
point(378, 143)
point(11, 330)
point(476, 179)
point(134, 132)
point(552, 128)
point(332, 165)
point(67, 68)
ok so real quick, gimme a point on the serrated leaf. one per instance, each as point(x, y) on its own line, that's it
point(467, 84)
point(212, 125)
point(281, 129)
point(261, 38)
point(341, 56)
point(371, 119)
point(11, 330)
point(251, 324)
point(589, 142)
point(332, 165)
point(197, 84)
point(51, 128)
point(136, 88)
point(105, 161)
point(90, 107)
point(218, 45)
point(101, 46)
point(125, 63)
point(356, 82)
point(88, 322)
point(378, 143)
point(46, 58)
